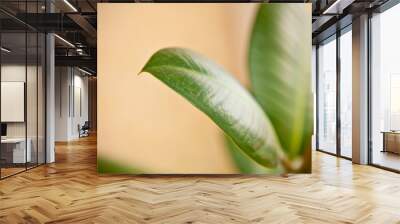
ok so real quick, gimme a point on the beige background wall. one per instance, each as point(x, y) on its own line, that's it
point(141, 122)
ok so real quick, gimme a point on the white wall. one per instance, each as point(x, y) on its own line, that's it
point(12, 73)
point(81, 84)
point(71, 93)
point(62, 82)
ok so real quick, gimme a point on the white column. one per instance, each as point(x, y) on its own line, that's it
point(50, 99)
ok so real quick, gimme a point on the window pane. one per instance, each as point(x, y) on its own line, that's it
point(327, 97)
point(385, 84)
point(346, 94)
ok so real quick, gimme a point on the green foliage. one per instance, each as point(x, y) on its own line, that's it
point(212, 90)
point(244, 163)
point(109, 166)
point(271, 134)
point(279, 59)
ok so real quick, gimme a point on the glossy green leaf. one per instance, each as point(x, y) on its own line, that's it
point(215, 92)
point(244, 163)
point(280, 68)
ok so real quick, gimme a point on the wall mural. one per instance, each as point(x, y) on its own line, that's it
point(251, 89)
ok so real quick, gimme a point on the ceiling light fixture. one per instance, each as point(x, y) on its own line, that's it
point(65, 41)
point(79, 51)
point(84, 71)
point(5, 50)
point(70, 5)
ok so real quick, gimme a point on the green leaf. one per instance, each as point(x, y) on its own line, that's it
point(110, 166)
point(244, 163)
point(215, 92)
point(280, 67)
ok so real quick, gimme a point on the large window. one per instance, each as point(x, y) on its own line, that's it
point(346, 93)
point(327, 96)
point(334, 101)
point(385, 89)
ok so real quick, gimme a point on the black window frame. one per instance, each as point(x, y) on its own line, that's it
point(334, 37)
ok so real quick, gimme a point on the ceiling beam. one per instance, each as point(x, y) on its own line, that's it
point(81, 61)
point(337, 7)
point(49, 22)
point(84, 24)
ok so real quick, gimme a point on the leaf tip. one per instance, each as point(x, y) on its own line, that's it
point(143, 70)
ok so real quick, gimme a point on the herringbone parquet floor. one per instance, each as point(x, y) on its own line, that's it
point(70, 191)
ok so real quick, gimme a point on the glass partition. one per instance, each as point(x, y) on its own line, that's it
point(22, 88)
point(327, 96)
point(13, 94)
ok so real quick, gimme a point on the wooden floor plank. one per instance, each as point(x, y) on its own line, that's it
point(70, 191)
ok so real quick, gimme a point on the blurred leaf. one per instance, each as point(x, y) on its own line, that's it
point(244, 163)
point(279, 59)
point(109, 166)
point(215, 92)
